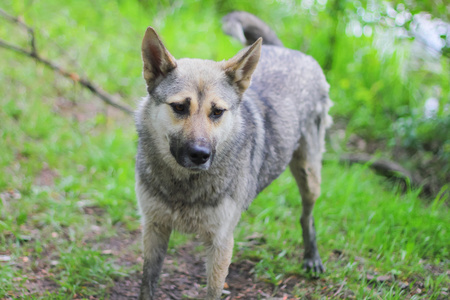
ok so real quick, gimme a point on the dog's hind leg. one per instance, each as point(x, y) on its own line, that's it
point(155, 240)
point(306, 166)
point(219, 254)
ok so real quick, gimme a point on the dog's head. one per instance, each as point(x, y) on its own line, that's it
point(192, 103)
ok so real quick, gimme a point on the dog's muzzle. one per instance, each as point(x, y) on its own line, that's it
point(194, 155)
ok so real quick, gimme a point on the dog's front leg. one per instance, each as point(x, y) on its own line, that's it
point(155, 240)
point(219, 252)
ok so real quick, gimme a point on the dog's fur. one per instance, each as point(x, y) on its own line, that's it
point(210, 141)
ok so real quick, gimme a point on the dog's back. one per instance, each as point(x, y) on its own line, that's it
point(288, 91)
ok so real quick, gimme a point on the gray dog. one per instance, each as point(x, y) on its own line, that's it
point(212, 135)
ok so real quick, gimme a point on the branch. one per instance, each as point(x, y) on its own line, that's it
point(18, 21)
point(384, 167)
point(33, 53)
point(387, 168)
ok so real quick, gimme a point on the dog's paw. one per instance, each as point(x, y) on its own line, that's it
point(313, 265)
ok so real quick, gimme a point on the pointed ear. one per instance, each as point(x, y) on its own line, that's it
point(157, 60)
point(240, 68)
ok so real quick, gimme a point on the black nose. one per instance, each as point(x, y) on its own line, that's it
point(199, 154)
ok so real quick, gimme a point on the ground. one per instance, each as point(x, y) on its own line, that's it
point(183, 274)
point(182, 277)
point(186, 279)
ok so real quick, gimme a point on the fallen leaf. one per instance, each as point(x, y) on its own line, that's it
point(383, 278)
point(74, 77)
point(369, 277)
point(254, 236)
point(5, 258)
point(403, 285)
point(24, 238)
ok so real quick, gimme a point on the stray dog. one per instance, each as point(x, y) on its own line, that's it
point(212, 135)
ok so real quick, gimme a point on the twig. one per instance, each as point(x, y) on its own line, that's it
point(340, 288)
point(171, 295)
point(33, 53)
point(387, 168)
point(21, 23)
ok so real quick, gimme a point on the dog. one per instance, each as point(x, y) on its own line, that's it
point(212, 135)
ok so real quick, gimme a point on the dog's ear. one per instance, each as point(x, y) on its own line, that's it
point(240, 68)
point(157, 60)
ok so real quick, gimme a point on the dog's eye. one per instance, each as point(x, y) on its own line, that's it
point(216, 113)
point(178, 108)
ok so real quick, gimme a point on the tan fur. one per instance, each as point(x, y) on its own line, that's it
point(218, 260)
point(198, 123)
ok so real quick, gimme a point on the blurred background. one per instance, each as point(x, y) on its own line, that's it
point(68, 219)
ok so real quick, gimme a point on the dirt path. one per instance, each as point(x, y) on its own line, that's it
point(183, 277)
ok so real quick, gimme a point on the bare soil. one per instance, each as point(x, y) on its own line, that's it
point(183, 277)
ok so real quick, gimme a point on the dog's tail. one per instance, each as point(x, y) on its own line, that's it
point(247, 28)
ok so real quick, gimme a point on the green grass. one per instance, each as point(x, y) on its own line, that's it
point(376, 229)
point(63, 227)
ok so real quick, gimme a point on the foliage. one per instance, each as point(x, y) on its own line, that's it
point(436, 8)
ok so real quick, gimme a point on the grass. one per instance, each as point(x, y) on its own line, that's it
point(67, 167)
point(376, 229)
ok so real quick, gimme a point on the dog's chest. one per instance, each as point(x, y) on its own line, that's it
point(203, 220)
point(197, 206)
point(198, 191)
